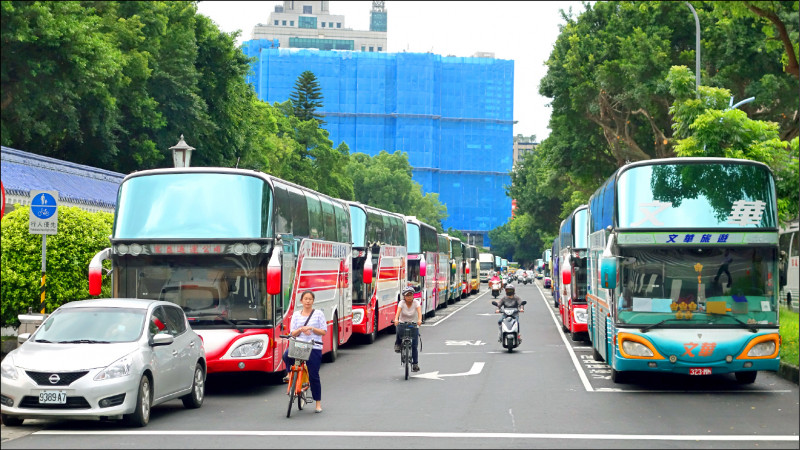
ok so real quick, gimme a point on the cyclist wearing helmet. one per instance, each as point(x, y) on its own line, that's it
point(511, 300)
point(409, 310)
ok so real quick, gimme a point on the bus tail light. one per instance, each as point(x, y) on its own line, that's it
point(274, 273)
point(96, 271)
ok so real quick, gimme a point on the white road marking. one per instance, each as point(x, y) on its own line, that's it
point(584, 379)
point(422, 434)
point(435, 375)
point(457, 310)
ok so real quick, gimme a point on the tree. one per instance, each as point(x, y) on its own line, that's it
point(81, 235)
point(706, 126)
point(307, 97)
point(384, 181)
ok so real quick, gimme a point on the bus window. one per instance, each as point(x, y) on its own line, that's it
point(299, 207)
point(283, 213)
point(328, 221)
point(314, 216)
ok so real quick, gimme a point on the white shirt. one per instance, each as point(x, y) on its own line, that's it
point(408, 313)
point(317, 321)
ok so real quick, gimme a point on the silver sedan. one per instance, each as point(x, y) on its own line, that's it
point(107, 359)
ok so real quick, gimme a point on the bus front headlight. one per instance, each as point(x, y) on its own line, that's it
point(248, 349)
point(580, 316)
point(636, 349)
point(762, 349)
point(358, 316)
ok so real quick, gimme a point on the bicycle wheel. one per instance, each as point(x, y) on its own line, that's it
point(407, 355)
point(301, 397)
point(292, 392)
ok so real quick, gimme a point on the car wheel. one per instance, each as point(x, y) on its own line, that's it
point(141, 415)
point(194, 399)
point(11, 421)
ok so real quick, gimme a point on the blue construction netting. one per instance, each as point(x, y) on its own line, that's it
point(452, 115)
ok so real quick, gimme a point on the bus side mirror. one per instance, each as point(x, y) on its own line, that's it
point(566, 275)
point(423, 267)
point(274, 273)
point(96, 271)
point(467, 269)
point(367, 277)
point(608, 273)
point(782, 269)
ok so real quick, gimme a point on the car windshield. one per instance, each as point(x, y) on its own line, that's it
point(92, 325)
point(699, 286)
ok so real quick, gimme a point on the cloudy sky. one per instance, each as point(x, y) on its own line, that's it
point(520, 31)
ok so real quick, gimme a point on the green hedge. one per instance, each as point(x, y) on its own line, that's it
point(81, 234)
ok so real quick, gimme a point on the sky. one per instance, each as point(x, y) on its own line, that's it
point(520, 31)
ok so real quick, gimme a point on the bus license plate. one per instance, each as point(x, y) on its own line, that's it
point(700, 371)
point(53, 397)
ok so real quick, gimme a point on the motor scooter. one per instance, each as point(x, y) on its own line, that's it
point(509, 327)
point(496, 286)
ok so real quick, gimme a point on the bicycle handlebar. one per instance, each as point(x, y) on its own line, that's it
point(287, 336)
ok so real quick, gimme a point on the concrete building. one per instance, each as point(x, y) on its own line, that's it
point(522, 146)
point(310, 24)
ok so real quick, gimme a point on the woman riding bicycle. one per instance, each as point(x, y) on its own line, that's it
point(306, 327)
point(409, 310)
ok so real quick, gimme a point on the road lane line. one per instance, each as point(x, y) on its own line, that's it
point(578, 367)
point(432, 434)
point(457, 310)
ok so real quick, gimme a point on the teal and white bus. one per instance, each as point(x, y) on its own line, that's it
point(684, 273)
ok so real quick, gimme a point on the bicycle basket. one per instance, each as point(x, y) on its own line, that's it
point(300, 349)
point(407, 332)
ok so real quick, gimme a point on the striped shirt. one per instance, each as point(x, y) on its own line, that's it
point(317, 321)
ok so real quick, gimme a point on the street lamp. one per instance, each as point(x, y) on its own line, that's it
point(697, 51)
point(181, 153)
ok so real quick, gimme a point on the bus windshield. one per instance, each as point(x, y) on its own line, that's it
point(211, 289)
point(698, 286)
point(193, 205)
point(706, 195)
point(412, 236)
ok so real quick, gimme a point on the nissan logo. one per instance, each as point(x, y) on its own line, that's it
point(54, 378)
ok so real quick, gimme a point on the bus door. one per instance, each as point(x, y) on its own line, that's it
point(283, 314)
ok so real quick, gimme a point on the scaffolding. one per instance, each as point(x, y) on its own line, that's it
point(451, 115)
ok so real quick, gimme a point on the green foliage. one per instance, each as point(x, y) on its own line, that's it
point(307, 97)
point(789, 339)
point(81, 235)
point(384, 181)
point(706, 126)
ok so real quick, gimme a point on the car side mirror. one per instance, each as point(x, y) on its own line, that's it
point(494, 303)
point(22, 338)
point(524, 302)
point(162, 339)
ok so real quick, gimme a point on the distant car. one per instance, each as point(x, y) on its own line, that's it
point(547, 282)
point(104, 358)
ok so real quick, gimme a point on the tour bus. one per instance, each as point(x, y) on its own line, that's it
point(456, 268)
point(235, 249)
point(379, 267)
point(443, 273)
point(547, 263)
point(423, 258)
point(498, 265)
point(683, 257)
point(486, 266)
point(790, 267)
point(474, 272)
point(464, 271)
point(572, 255)
point(555, 286)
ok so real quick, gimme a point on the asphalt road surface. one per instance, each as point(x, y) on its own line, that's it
point(470, 393)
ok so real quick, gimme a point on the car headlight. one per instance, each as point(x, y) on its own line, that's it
point(251, 348)
point(119, 368)
point(580, 315)
point(8, 369)
point(358, 316)
point(636, 349)
point(762, 349)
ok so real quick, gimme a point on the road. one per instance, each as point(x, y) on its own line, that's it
point(470, 393)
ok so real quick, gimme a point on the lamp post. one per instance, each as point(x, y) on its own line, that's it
point(697, 50)
point(181, 153)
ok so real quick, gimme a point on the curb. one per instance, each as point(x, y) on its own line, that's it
point(789, 372)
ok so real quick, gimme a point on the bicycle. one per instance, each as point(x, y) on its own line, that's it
point(300, 351)
point(406, 330)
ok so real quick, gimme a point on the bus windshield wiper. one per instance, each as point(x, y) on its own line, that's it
point(656, 325)
point(219, 317)
point(750, 327)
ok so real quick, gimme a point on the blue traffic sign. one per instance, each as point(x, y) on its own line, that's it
point(43, 205)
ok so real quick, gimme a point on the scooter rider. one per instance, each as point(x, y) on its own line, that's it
point(511, 300)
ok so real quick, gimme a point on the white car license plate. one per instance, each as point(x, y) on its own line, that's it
point(53, 397)
point(700, 371)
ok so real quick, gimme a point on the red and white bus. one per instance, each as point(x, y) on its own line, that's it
point(443, 272)
point(234, 248)
point(573, 253)
point(423, 258)
point(379, 263)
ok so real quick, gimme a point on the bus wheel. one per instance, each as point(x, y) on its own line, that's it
point(746, 377)
point(331, 355)
point(618, 377)
point(371, 337)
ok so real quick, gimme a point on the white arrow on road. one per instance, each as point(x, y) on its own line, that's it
point(476, 369)
point(478, 342)
point(486, 314)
